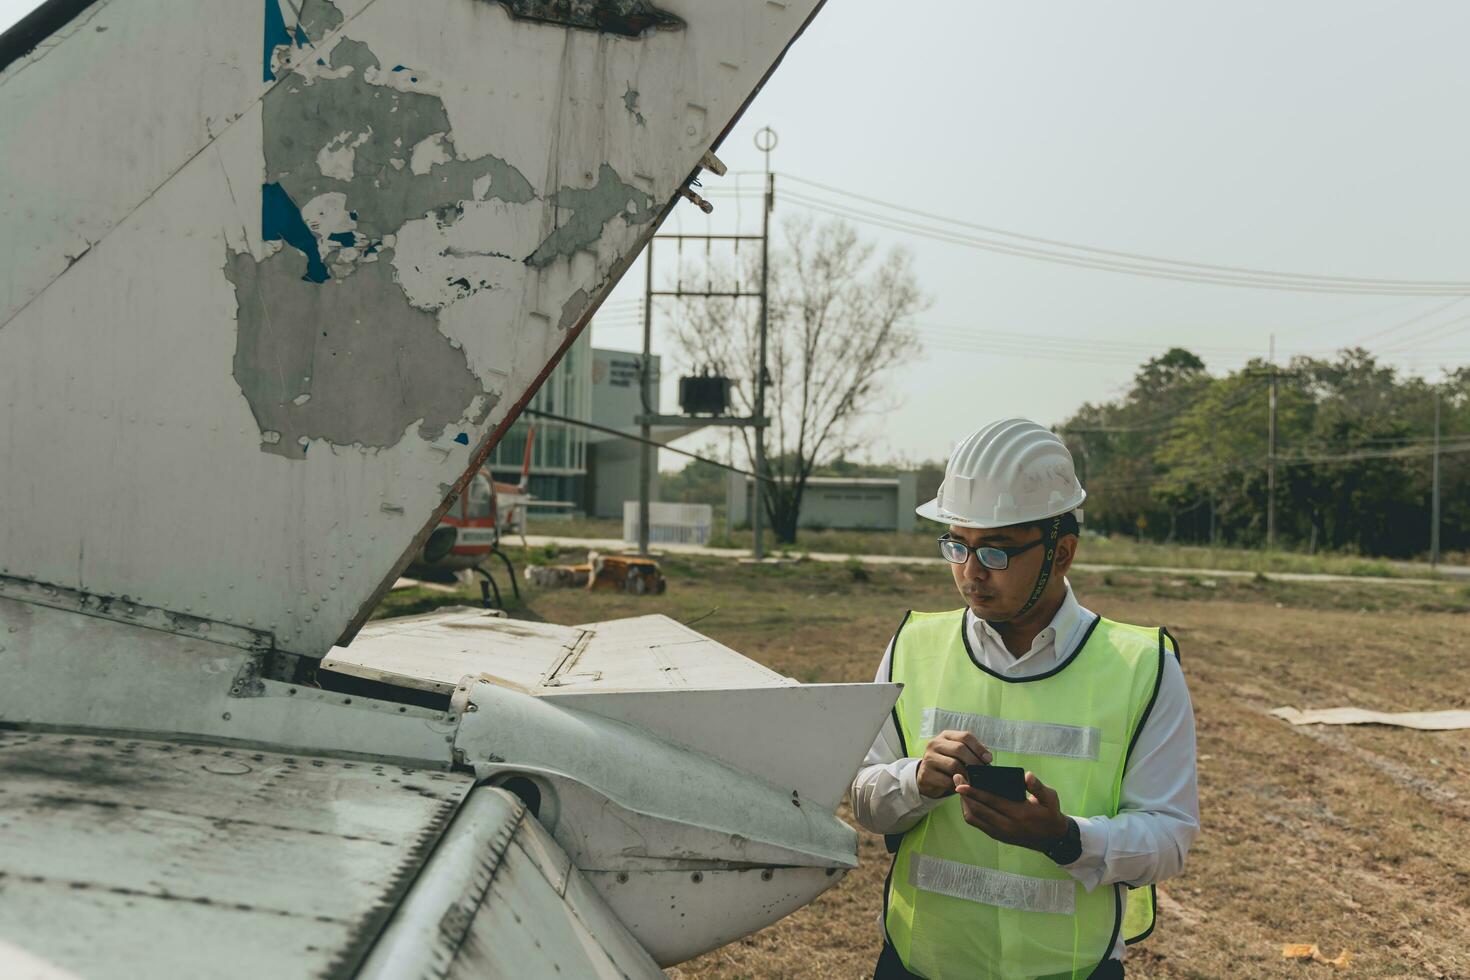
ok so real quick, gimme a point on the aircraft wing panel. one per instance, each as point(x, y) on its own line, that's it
point(132, 857)
point(500, 898)
point(643, 653)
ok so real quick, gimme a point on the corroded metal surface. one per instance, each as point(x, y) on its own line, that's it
point(325, 256)
point(629, 18)
point(147, 858)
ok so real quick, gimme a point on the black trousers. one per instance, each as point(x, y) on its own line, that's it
point(890, 967)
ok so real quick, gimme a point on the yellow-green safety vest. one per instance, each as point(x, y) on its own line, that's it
point(959, 904)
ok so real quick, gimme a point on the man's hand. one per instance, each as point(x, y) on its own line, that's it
point(945, 757)
point(1037, 823)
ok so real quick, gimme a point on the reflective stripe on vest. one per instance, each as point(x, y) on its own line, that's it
point(960, 904)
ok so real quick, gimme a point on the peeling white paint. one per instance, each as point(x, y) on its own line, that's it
point(541, 99)
point(429, 151)
point(336, 158)
point(326, 214)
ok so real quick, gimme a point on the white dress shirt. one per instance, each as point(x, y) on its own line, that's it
point(1158, 812)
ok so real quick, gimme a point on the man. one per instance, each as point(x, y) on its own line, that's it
point(1056, 883)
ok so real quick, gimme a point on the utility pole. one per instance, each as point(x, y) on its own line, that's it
point(645, 430)
point(765, 141)
point(1434, 498)
point(1212, 514)
point(1271, 455)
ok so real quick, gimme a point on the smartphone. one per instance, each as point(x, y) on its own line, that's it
point(1007, 782)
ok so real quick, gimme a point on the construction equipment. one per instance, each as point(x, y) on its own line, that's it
point(626, 573)
point(287, 272)
point(618, 573)
point(470, 532)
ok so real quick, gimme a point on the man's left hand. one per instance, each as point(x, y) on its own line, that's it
point(1037, 822)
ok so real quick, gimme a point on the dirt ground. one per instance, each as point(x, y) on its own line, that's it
point(1353, 838)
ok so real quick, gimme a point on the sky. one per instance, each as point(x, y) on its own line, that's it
point(1320, 136)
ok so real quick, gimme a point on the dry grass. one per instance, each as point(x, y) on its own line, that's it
point(1351, 838)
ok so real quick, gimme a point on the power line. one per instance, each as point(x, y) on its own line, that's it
point(1432, 333)
point(1194, 475)
point(1411, 321)
point(1169, 420)
point(1165, 272)
point(583, 423)
point(1451, 286)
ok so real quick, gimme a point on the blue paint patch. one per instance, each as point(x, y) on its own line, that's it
point(413, 78)
point(344, 238)
point(281, 221)
point(321, 61)
point(398, 68)
point(371, 249)
point(353, 215)
point(462, 439)
point(275, 35)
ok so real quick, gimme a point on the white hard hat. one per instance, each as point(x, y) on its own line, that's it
point(1013, 471)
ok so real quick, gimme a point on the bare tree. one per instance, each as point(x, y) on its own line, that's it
point(838, 322)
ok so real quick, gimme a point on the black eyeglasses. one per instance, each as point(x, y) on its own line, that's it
point(957, 552)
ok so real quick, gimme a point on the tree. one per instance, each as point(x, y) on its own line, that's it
point(1113, 444)
point(697, 483)
point(838, 323)
point(1188, 453)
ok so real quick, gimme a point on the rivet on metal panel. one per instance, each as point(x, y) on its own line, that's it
point(767, 875)
point(697, 877)
point(226, 716)
point(622, 877)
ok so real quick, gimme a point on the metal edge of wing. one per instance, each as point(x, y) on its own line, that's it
point(432, 925)
point(808, 738)
point(26, 34)
point(360, 944)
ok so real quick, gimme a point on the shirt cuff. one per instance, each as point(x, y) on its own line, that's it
point(908, 783)
point(1090, 865)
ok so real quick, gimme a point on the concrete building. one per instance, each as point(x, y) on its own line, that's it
point(581, 471)
point(846, 503)
point(559, 450)
point(612, 463)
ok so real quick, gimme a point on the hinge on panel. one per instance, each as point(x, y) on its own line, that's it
point(272, 665)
